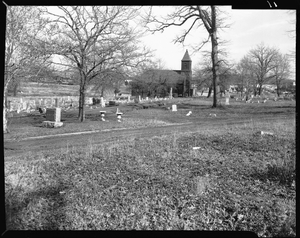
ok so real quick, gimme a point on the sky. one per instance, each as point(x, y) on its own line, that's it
point(248, 29)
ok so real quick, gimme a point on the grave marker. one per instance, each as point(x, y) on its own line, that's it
point(102, 113)
point(174, 108)
point(102, 102)
point(227, 101)
point(53, 114)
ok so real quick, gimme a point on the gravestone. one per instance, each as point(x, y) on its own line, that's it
point(102, 102)
point(171, 93)
point(147, 98)
point(174, 108)
point(53, 114)
point(139, 98)
point(128, 99)
point(227, 96)
point(227, 101)
point(56, 102)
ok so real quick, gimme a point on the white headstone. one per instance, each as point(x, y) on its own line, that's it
point(102, 102)
point(24, 105)
point(147, 98)
point(174, 108)
point(227, 101)
point(139, 97)
point(171, 93)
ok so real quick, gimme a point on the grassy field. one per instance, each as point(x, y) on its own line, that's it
point(225, 178)
point(29, 125)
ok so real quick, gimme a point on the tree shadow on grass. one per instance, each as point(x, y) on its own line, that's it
point(42, 209)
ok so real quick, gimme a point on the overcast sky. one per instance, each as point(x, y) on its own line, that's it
point(248, 29)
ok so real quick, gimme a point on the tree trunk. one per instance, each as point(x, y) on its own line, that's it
point(81, 114)
point(259, 89)
point(214, 54)
point(184, 87)
point(278, 91)
point(102, 91)
point(209, 92)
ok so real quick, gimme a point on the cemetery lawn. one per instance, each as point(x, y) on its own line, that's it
point(25, 125)
point(220, 178)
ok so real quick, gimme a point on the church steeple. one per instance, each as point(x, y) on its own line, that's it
point(186, 56)
point(186, 62)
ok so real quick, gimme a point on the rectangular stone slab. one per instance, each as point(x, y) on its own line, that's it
point(52, 124)
point(53, 114)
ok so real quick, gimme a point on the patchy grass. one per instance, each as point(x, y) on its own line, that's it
point(221, 178)
point(135, 117)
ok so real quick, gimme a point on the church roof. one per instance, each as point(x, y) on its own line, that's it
point(186, 56)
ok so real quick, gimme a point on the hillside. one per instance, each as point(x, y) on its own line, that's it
point(54, 89)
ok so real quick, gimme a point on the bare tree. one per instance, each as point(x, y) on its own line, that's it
point(204, 74)
point(195, 16)
point(263, 62)
point(202, 78)
point(247, 80)
point(94, 41)
point(22, 49)
point(281, 70)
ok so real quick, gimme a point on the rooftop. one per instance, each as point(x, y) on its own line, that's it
point(186, 56)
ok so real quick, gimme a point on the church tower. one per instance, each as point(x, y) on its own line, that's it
point(186, 69)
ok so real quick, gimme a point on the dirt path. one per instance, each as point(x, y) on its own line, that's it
point(12, 148)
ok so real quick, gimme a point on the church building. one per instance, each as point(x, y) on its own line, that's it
point(184, 88)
